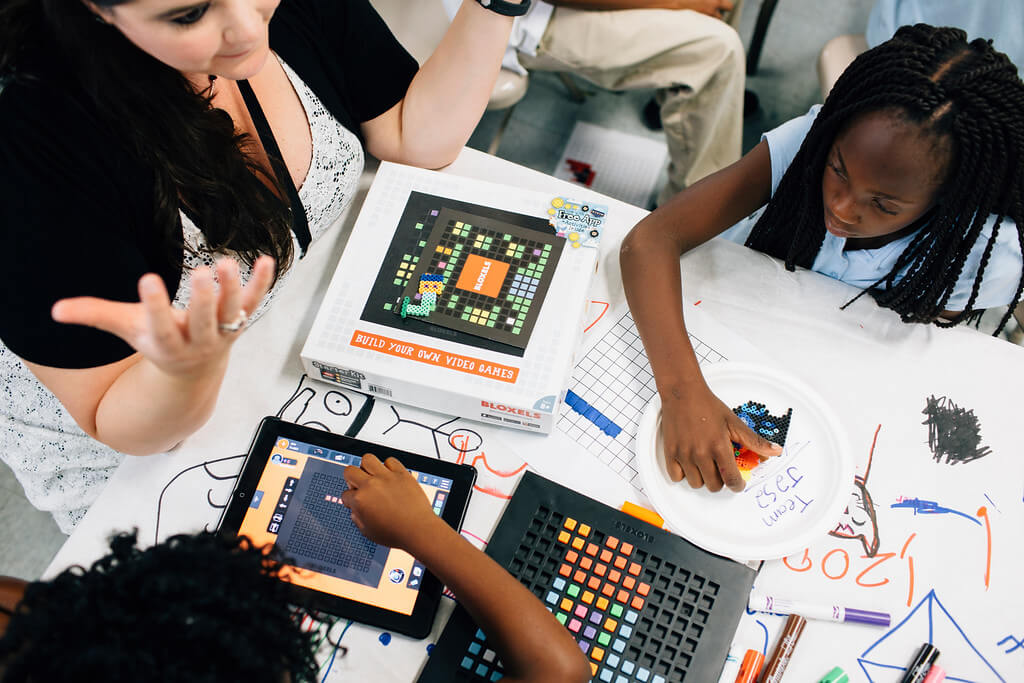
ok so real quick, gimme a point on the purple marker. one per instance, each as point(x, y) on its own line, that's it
point(769, 603)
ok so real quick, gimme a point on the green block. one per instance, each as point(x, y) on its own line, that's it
point(562, 618)
point(542, 261)
point(516, 330)
point(419, 226)
point(398, 281)
point(423, 243)
point(406, 257)
point(507, 238)
point(616, 610)
point(490, 324)
point(387, 307)
point(451, 304)
point(465, 316)
point(415, 259)
point(515, 307)
point(547, 247)
point(573, 590)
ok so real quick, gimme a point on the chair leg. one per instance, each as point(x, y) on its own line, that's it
point(492, 149)
point(764, 16)
point(575, 94)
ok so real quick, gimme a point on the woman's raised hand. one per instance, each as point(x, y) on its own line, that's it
point(181, 343)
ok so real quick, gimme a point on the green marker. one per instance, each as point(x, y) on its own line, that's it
point(836, 675)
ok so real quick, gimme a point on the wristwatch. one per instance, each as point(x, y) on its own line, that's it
point(507, 9)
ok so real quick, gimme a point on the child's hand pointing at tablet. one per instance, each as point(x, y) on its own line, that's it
point(387, 503)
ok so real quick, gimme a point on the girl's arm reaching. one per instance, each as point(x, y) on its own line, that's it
point(697, 427)
point(390, 508)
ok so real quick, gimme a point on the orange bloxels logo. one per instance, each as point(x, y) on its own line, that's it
point(483, 275)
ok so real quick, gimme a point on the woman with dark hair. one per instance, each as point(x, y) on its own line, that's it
point(213, 608)
point(164, 163)
point(907, 183)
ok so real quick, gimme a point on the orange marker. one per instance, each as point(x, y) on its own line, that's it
point(751, 667)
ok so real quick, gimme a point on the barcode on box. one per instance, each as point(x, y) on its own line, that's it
point(377, 389)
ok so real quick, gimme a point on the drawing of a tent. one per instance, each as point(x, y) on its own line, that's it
point(930, 622)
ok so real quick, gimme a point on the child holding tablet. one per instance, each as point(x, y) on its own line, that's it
point(212, 608)
point(907, 183)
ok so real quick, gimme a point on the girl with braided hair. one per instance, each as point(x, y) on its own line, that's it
point(908, 183)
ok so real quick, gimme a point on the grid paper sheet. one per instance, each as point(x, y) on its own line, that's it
point(615, 378)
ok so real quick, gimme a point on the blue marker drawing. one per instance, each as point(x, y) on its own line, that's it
point(764, 648)
point(384, 638)
point(992, 502)
point(1016, 643)
point(884, 658)
point(930, 507)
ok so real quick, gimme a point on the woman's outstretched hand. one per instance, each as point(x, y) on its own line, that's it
point(181, 343)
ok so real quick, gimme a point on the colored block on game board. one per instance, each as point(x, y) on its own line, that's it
point(680, 631)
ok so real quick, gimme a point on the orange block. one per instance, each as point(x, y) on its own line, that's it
point(565, 570)
point(644, 589)
point(591, 549)
point(577, 543)
point(593, 669)
point(482, 275)
point(597, 654)
point(587, 597)
point(614, 575)
point(606, 556)
point(571, 556)
point(602, 604)
point(634, 569)
point(610, 624)
point(638, 603)
point(600, 569)
point(620, 562)
point(566, 604)
point(570, 523)
point(563, 537)
point(622, 597)
point(626, 549)
point(611, 542)
point(628, 583)
point(608, 589)
point(593, 583)
point(579, 576)
point(584, 530)
point(586, 563)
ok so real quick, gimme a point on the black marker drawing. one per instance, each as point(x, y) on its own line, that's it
point(954, 433)
point(462, 439)
point(331, 410)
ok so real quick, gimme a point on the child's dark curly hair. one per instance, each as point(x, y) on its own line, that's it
point(207, 607)
point(965, 92)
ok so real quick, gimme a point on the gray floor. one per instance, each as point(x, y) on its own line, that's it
point(535, 136)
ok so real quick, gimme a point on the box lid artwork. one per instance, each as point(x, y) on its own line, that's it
point(461, 296)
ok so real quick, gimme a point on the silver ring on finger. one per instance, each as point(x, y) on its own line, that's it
point(237, 324)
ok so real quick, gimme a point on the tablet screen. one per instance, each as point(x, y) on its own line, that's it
point(297, 507)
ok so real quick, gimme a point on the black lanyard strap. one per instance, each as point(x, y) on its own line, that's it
point(300, 225)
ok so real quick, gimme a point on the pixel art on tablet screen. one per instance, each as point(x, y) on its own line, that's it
point(512, 287)
point(482, 276)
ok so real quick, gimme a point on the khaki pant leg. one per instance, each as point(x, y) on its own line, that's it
point(695, 62)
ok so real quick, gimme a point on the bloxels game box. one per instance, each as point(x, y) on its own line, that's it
point(461, 296)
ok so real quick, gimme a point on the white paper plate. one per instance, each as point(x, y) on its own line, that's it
point(790, 501)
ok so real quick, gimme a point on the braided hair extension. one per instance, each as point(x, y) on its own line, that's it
point(200, 609)
point(965, 95)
